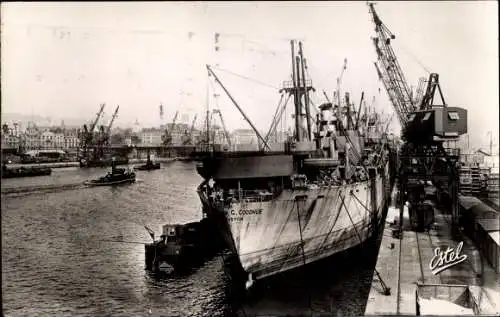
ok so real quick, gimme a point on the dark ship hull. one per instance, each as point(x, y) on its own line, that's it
point(149, 167)
point(103, 162)
point(183, 246)
point(26, 172)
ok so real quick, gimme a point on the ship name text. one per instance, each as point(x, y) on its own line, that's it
point(237, 215)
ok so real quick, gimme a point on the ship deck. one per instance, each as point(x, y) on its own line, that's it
point(404, 262)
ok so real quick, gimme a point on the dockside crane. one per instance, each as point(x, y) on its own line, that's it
point(425, 126)
point(389, 71)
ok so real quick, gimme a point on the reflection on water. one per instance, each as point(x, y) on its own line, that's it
point(59, 250)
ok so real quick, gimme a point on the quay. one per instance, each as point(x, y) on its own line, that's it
point(404, 265)
point(77, 164)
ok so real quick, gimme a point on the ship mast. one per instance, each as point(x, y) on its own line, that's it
point(306, 95)
point(264, 142)
point(299, 87)
point(295, 95)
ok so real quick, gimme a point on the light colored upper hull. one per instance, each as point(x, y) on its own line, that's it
point(279, 234)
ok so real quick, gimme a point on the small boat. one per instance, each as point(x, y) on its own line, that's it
point(150, 165)
point(116, 176)
point(25, 172)
point(182, 246)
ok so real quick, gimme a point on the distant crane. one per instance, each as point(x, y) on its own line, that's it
point(104, 135)
point(339, 82)
point(87, 137)
point(89, 133)
point(226, 134)
point(107, 133)
point(189, 138)
point(161, 112)
point(167, 137)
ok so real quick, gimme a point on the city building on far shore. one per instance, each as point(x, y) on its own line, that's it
point(151, 136)
point(10, 142)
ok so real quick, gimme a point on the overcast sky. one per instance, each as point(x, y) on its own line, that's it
point(64, 59)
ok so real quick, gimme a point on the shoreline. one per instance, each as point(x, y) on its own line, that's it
point(77, 164)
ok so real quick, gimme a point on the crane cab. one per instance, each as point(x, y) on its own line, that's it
point(439, 123)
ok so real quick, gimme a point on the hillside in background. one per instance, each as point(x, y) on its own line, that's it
point(44, 121)
point(23, 119)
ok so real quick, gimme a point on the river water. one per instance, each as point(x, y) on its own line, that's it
point(70, 250)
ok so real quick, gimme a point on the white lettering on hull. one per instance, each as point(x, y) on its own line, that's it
point(238, 215)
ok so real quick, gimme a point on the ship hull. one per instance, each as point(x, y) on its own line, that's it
point(299, 227)
point(123, 181)
point(151, 167)
point(103, 163)
point(29, 172)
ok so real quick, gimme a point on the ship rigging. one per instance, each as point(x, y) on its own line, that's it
point(292, 203)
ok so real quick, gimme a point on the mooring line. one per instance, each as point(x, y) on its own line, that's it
point(384, 286)
point(121, 241)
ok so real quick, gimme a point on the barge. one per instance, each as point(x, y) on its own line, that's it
point(25, 172)
point(182, 246)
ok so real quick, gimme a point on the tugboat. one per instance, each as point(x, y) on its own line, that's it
point(182, 246)
point(150, 165)
point(116, 176)
point(25, 172)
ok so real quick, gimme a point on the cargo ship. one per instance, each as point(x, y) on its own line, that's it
point(323, 193)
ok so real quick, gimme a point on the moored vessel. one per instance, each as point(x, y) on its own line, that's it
point(25, 171)
point(323, 194)
point(103, 162)
point(182, 246)
point(150, 165)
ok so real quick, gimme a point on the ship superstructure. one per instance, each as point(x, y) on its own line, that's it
point(322, 194)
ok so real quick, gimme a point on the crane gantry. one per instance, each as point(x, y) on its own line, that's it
point(425, 126)
point(389, 71)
